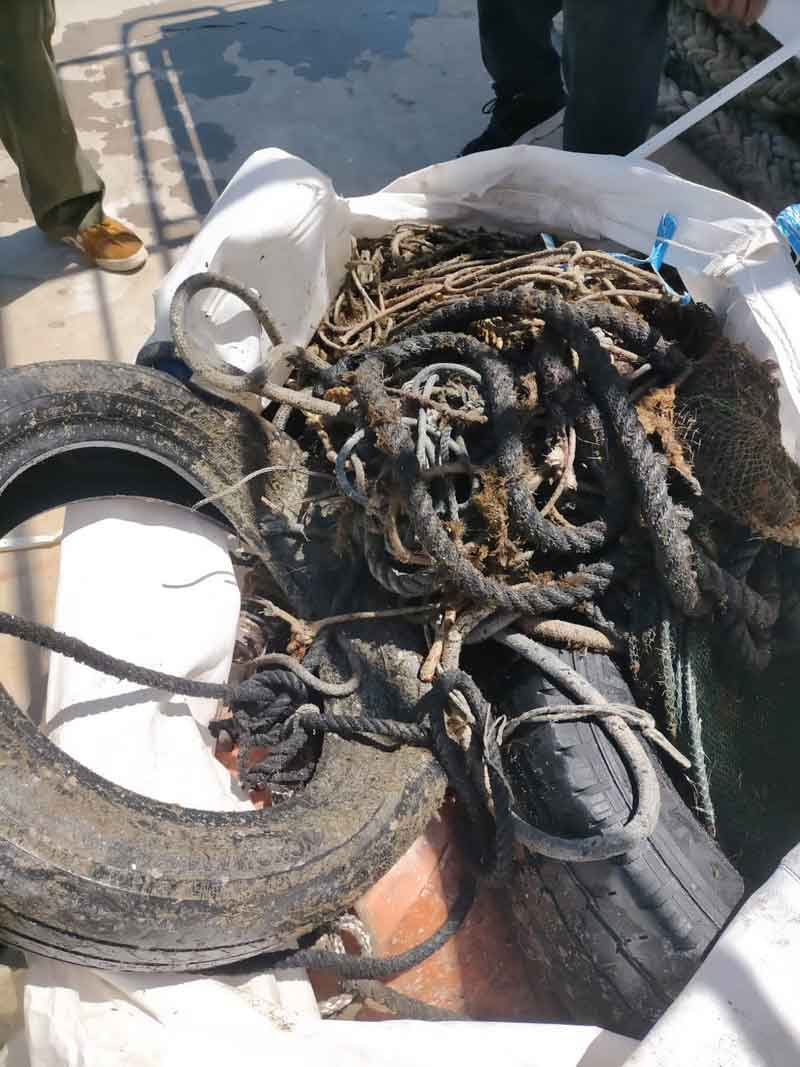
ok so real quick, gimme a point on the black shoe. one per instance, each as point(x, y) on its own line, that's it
point(511, 117)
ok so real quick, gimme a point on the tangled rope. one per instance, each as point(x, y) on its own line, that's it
point(493, 429)
point(272, 709)
point(697, 585)
point(477, 399)
point(392, 282)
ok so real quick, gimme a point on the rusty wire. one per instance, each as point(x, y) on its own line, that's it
point(395, 281)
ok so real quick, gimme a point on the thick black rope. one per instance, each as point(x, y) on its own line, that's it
point(560, 387)
point(508, 424)
point(693, 326)
point(396, 442)
point(410, 349)
point(637, 335)
point(743, 614)
point(360, 967)
point(407, 584)
point(544, 598)
point(255, 690)
point(399, 1003)
point(46, 637)
point(695, 583)
point(672, 548)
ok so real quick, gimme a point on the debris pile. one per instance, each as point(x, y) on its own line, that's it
point(534, 439)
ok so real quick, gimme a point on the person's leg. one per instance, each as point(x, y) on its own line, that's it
point(613, 59)
point(518, 52)
point(64, 192)
point(517, 47)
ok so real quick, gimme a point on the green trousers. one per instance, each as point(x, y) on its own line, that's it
point(60, 184)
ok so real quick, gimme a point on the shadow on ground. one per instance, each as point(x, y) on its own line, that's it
point(268, 71)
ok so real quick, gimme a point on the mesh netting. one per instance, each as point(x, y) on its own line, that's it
point(751, 737)
point(727, 414)
point(740, 729)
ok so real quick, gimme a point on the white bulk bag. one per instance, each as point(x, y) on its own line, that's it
point(281, 229)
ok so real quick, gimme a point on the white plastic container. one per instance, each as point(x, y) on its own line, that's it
point(280, 229)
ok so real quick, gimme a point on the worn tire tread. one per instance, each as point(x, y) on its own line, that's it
point(619, 938)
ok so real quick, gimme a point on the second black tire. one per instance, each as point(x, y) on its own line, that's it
point(617, 939)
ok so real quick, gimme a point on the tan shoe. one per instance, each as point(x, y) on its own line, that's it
point(110, 246)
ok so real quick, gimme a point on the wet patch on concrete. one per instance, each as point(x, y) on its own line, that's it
point(311, 77)
point(340, 83)
point(315, 40)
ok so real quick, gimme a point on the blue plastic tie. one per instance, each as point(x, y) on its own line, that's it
point(548, 240)
point(788, 222)
point(664, 234)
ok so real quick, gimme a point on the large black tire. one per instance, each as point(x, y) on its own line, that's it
point(96, 875)
point(620, 938)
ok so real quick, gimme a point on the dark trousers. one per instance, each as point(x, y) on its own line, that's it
point(613, 56)
point(60, 184)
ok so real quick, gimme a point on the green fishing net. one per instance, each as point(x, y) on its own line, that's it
point(743, 730)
